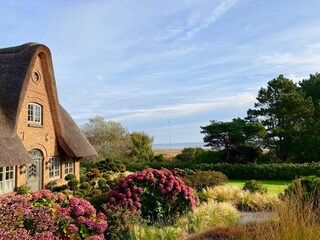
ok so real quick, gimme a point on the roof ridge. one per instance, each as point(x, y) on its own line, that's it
point(17, 49)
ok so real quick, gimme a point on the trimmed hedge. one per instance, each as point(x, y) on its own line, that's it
point(203, 179)
point(285, 171)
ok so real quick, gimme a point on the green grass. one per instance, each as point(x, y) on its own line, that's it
point(273, 186)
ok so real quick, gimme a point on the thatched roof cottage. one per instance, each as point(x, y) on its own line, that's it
point(39, 141)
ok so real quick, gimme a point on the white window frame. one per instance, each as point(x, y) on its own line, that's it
point(7, 179)
point(68, 166)
point(34, 114)
point(55, 167)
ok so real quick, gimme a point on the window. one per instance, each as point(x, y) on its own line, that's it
point(69, 166)
point(34, 114)
point(7, 179)
point(54, 169)
point(36, 77)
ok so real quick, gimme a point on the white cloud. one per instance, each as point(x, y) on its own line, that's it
point(290, 58)
point(186, 109)
point(296, 78)
point(215, 15)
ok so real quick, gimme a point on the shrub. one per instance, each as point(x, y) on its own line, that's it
point(208, 156)
point(158, 194)
point(60, 188)
point(254, 186)
point(243, 200)
point(92, 174)
point(306, 189)
point(51, 185)
point(189, 154)
point(111, 165)
point(202, 179)
point(24, 189)
point(47, 215)
point(120, 222)
point(70, 176)
point(85, 186)
point(73, 184)
point(158, 158)
point(285, 171)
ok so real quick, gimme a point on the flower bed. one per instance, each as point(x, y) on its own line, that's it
point(47, 215)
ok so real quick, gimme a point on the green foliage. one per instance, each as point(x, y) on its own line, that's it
point(142, 146)
point(92, 174)
point(73, 184)
point(231, 136)
point(202, 196)
point(110, 165)
point(284, 111)
point(24, 189)
point(203, 179)
point(158, 158)
point(70, 177)
point(254, 186)
point(189, 154)
point(110, 139)
point(307, 189)
point(86, 186)
point(60, 188)
point(285, 171)
point(208, 156)
point(120, 222)
point(51, 185)
point(311, 87)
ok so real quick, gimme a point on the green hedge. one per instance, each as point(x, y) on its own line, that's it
point(285, 171)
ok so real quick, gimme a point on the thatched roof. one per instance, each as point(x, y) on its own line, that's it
point(15, 68)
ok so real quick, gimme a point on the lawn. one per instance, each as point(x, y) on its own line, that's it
point(273, 186)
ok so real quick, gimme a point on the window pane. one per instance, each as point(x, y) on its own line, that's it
point(54, 169)
point(7, 184)
point(34, 113)
point(30, 112)
point(69, 166)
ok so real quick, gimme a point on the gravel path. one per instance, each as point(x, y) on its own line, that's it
point(247, 217)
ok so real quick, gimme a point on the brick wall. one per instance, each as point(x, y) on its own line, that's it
point(39, 137)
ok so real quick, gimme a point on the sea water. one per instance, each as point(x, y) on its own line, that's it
point(178, 145)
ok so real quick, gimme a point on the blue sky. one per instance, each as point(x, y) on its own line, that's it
point(147, 62)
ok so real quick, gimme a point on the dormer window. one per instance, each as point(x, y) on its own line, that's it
point(34, 114)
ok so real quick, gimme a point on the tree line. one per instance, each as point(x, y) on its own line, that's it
point(283, 125)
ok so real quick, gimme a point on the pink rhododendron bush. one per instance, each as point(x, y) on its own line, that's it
point(47, 215)
point(158, 194)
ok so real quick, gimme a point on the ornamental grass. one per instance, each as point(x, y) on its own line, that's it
point(208, 215)
point(243, 200)
point(297, 220)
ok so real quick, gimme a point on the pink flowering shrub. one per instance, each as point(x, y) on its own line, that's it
point(47, 215)
point(158, 194)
